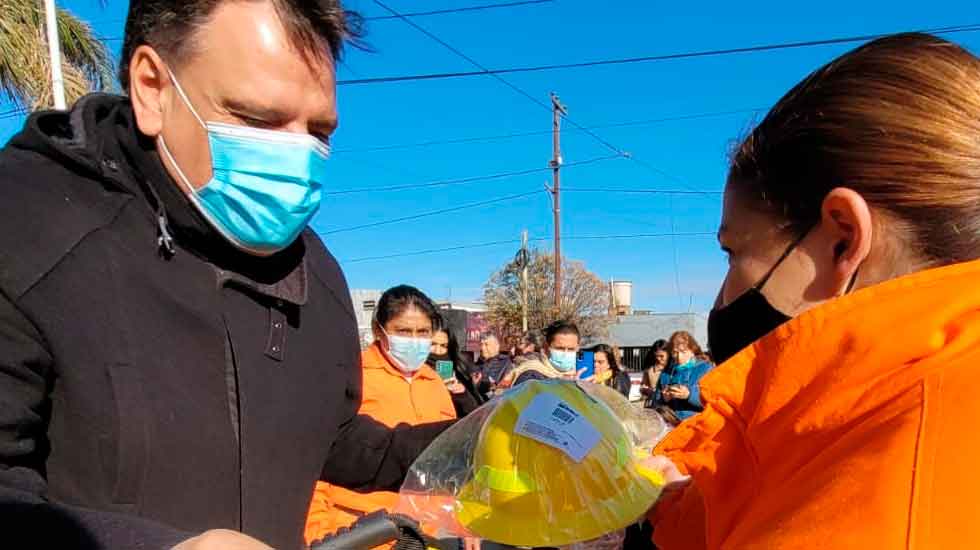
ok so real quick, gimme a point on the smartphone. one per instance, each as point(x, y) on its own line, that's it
point(445, 370)
point(586, 360)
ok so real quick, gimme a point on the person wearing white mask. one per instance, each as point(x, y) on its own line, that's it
point(562, 343)
point(398, 389)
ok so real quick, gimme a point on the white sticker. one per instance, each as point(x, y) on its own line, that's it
point(551, 421)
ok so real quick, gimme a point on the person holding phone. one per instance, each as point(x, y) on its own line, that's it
point(678, 390)
point(654, 363)
point(398, 388)
point(446, 359)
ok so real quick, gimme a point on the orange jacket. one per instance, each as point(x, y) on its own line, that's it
point(392, 399)
point(852, 426)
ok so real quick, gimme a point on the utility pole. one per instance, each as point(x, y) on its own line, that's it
point(54, 52)
point(557, 110)
point(525, 259)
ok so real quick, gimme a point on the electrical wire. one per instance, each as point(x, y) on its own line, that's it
point(638, 191)
point(460, 10)
point(529, 96)
point(651, 58)
point(518, 241)
point(13, 113)
point(502, 137)
point(482, 7)
point(432, 213)
point(471, 179)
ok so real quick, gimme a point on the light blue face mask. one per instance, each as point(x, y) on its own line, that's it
point(265, 184)
point(563, 361)
point(409, 353)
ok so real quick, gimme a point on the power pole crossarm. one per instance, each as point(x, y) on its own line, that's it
point(557, 111)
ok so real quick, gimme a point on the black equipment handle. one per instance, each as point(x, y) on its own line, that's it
point(372, 530)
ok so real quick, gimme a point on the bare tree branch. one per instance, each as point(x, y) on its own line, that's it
point(585, 297)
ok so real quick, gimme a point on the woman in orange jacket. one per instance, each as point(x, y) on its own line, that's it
point(398, 388)
point(852, 225)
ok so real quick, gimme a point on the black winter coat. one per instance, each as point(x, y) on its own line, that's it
point(155, 382)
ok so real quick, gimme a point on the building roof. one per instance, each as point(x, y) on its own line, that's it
point(640, 331)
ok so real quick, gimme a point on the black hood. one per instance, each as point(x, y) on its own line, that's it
point(82, 139)
point(98, 138)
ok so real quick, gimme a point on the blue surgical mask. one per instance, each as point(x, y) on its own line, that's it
point(563, 361)
point(265, 184)
point(408, 354)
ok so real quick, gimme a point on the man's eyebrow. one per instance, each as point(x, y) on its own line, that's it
point(261, 112)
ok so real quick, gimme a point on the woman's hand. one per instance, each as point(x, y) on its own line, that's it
point(682, 392)
point(676, 481)
point(455, 387)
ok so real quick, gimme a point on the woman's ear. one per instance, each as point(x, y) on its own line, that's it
point(847, 225)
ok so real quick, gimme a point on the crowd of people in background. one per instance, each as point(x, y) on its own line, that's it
point(415, 372)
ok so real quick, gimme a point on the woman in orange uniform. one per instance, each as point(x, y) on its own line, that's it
point(852, 225)
point(398, 388)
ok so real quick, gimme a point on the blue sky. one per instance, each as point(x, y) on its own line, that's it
point(692, 151)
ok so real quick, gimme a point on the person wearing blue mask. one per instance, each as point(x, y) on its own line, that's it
point(558, 360)
point(678, 395)
point(178, 349)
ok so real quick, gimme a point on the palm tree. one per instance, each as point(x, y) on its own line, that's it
point(25, 71)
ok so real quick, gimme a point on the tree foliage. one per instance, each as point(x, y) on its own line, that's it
point(25, 68)
point(585, 297)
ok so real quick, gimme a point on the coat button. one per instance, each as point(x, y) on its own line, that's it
point(277, 325)
point(279, 303)
point(275, 349)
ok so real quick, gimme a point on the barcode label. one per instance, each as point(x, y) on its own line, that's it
point(563, 416)
point(549, 420)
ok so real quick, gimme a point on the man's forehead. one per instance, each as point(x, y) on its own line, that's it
point(250, 38)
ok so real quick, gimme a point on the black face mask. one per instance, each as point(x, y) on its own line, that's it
point(749, 317)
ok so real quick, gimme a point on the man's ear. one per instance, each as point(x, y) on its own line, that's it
point(847, 223)
point(149, 89)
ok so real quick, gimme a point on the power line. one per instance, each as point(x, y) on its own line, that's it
point(431, 213)
point(435, 251)
point(650, 58)
point(459, 10)
point(517, 241)
point(13, 113)
point(501, 137)
point(482, 7)
point(639, 191)
point(640, 236)
point(523, 92)
point(458, 181)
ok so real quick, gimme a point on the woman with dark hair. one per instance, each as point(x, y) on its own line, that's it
point(847, 326)
point(445, 351)
point(607, 371)
point(654, 363)
point(398, 388)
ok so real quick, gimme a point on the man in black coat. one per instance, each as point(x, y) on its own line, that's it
point(174, 359)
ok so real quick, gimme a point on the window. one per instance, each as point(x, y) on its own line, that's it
point(368, 305)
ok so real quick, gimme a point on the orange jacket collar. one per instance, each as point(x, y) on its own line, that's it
point(820, 364)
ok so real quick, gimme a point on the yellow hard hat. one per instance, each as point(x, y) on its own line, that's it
point(553, 466)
